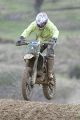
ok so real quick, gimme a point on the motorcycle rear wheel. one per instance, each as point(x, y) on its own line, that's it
point(49, 90)
point(26, 87)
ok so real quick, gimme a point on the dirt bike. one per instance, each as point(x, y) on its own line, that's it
point(35, 61)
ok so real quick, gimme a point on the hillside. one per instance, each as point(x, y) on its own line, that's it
point(21, 110)
point(16, 15)
point(14, 18)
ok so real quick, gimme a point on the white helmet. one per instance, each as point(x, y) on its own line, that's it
point(41, 19)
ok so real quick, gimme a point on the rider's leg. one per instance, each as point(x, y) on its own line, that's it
point(50, 61)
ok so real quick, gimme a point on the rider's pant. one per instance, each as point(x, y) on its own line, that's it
point(50, 50)
point(50, 59)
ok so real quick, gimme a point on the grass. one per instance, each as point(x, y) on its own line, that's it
point(16, 15)
point(10, 74)
point(61, 4)
point(5, 79)
point(12, 65)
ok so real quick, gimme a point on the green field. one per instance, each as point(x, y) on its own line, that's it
point(16, 15)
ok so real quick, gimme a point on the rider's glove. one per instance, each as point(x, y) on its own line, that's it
point(53, 41)
point(21, 40)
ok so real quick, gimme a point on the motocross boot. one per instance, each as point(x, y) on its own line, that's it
point(50, 62)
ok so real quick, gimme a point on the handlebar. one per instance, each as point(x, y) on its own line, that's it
point(20, 43)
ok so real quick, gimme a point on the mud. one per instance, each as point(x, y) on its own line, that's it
point(22, 110)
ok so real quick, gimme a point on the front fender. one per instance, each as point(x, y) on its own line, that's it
point(28, 56)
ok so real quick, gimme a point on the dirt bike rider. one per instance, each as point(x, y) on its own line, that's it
point(45, 30)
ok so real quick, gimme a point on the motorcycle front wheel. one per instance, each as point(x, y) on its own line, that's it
point(26, 87)
point(49, 89)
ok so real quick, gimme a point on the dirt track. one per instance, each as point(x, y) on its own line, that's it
point(22, 110)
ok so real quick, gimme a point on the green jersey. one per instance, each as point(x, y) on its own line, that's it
point(44, 34)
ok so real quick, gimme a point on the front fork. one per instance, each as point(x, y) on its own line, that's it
point(34, 71)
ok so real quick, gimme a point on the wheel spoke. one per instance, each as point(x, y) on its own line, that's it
point(51, 87)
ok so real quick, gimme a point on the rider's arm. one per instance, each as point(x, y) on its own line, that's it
point(29, 30)
point(53, 29)
point(55, 32)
